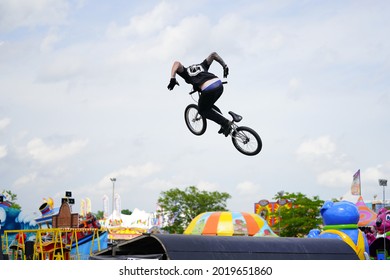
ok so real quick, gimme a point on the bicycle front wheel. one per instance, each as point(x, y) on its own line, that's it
point(194, 121)
point(246, 141)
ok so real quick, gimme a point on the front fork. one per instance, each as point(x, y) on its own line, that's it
point(239, 135)
point(233, 130)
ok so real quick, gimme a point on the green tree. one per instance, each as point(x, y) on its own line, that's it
point(126, 212)
point(99, 215)
point(181, 207)
point(301, 217)
point(12, 198)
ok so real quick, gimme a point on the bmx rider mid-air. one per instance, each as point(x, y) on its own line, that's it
point(209, 85)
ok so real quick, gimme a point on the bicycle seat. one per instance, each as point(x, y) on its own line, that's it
point(235, 116)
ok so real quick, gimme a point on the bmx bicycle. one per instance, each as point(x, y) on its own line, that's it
point(245, 139)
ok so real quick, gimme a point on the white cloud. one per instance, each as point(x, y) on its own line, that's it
point(126, 175)
point(44, 153)
point(247, 188)
point(294, 84)
point(145, 24)
point(321, 147)
point(50, 40)
point(4, 123)
point(335, 178)
point(3, 151)
point(132, 181)
point(135, 171)
point(374, 173)
point(157, 185)
point(342, 179)
point(65, 66)
point(25, 13)
point(26, 180)
point(173, 39)
point(208, 186)
point(339, 182)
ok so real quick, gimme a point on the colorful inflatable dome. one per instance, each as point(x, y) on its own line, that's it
point(229, 224)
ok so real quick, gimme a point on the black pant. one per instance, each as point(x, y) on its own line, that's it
point(207, 108)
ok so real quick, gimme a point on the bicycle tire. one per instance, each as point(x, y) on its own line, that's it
point(194, 121)
point(247, 141)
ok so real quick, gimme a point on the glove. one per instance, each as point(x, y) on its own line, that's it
point(225, 71)
point(172, 83)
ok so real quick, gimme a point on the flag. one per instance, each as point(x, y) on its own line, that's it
point(356, 186)
point(83, 213)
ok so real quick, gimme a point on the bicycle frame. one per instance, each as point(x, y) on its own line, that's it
point(233, 126)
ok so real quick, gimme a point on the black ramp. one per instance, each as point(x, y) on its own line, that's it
point(197, 247)
point(184, 247)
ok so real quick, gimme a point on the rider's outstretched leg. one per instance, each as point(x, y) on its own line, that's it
point(225, 128)
point(216, 109)
point(208, 110)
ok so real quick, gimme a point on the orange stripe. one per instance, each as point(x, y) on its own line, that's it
point(211, 225)
point(251, 224)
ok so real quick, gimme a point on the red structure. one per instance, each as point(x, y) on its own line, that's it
point(269, 209)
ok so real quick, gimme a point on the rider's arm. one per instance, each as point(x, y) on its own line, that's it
point(214, 56)
point(176, 67)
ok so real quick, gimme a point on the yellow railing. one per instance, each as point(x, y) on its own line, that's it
point(61, 241)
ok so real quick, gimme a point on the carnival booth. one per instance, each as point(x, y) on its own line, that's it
point(367, 217)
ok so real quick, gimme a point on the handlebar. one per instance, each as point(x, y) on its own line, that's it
point(194, 90)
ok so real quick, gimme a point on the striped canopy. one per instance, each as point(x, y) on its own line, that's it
point(227, 224)
point(367, 216)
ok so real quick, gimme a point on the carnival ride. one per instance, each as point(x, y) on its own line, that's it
point(53, 244)
point(367, 217)
point(60, 235)
point(380, 244)
point(340, 221)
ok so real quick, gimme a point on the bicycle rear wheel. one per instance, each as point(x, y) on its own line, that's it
point(194, 121)
point(247, 141)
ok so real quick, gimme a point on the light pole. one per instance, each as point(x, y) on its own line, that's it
point(113, 180)
point(383, 183)
point(281, 203)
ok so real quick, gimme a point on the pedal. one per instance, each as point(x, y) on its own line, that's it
point(236, 117)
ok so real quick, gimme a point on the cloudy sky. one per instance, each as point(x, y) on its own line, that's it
point(84, 98)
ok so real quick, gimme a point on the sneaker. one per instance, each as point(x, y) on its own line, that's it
point(225, 130)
